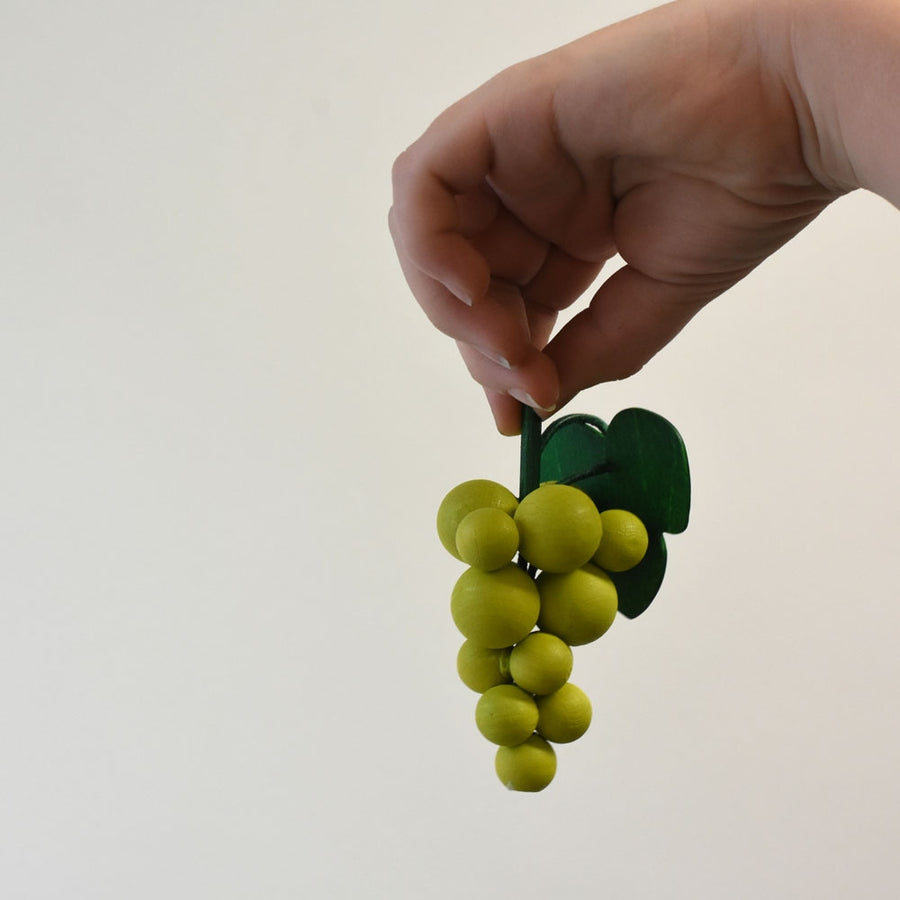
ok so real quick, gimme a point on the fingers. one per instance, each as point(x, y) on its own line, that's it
point(459, 239)
point(496, 325)
point(631, 318)
point(494, 337)
point(507, 412)
point(455, 242)
point(534, 382)
point(513, 252)
point(451, 159)
point(563, 278)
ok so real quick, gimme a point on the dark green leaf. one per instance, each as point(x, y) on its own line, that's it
point(649, 470)
point(637, 462)
point(573, 446)
point(638, 586)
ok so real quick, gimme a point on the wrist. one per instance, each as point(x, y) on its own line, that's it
point(841, 63)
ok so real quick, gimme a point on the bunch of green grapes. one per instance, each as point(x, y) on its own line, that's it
point(521, 617)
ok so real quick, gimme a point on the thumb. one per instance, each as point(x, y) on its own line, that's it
point(630, 318)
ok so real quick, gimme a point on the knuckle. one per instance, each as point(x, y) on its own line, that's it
point(403, 167)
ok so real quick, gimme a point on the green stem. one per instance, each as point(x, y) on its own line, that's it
point(529, 463)
point(530, 452)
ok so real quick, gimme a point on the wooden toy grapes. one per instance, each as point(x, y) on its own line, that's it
point(551, 568)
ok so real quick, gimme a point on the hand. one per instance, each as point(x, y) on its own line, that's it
point(676, 139)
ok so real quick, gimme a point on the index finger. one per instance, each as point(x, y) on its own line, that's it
point(451, 158)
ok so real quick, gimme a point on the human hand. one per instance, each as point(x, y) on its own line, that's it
point(677, 139)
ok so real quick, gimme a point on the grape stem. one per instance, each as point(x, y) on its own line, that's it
point(529, 452)
point(529, 463)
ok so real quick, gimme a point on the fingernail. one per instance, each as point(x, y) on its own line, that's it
point(528, 400)
point(494, 357)
point(460, 293)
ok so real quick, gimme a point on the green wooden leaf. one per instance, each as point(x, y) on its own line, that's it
point(638, 586)
point(637, 462)
point(649, 470)
point(573, 447)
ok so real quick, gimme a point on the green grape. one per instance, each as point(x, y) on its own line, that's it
point(495, 609)
point(541, 663)
point(463, 499)
point(481, 668)
point(506, 715)
point(559, 527)
point(487, 538)
point(564, 715)
point(530, 766)
point(577, 606)
point(624, 542)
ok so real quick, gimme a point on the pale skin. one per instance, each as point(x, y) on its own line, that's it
point(693, 141)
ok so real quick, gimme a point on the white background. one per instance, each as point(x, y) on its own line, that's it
point(227, 665)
